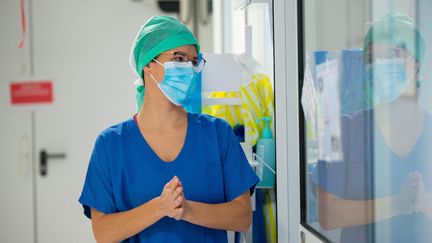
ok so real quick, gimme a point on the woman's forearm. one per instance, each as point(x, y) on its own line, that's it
point(235, 215)
point(120, 226)
point(335, 212)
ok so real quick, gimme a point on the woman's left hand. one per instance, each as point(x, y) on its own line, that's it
point(423, 200)
point(183, 204)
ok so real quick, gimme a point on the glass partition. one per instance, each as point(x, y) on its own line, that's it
point(366, 99)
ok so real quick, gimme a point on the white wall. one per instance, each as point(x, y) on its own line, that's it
point(13, 61)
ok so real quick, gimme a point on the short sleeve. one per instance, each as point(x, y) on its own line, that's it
point(97, 192)
point(238, 175)
point(331, 176)
point(350, 177)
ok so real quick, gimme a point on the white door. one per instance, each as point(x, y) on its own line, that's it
point(16, 180)
point(84, 48)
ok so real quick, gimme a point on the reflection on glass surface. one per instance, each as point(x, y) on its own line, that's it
point(368, 136)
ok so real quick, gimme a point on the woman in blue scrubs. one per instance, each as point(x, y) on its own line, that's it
point(166, 175)
point(381, 191)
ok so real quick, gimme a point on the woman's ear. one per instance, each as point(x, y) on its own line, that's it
point(146, 69)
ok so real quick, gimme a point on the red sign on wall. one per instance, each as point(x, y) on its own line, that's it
point(33, 92)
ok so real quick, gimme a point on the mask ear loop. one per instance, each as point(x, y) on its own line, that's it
point(158, 85)
point(199, 68)
point(151, 75)
point(163, 65)
point(416, 73)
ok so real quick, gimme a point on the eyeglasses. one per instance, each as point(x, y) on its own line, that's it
point(183, 58)
point(389, 53)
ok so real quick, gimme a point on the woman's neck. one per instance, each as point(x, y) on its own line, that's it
point(400, 123)
point(159, 113)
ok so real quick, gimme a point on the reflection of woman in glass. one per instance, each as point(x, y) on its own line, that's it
point(382, 190)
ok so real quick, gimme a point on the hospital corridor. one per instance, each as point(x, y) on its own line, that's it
point(237, 121)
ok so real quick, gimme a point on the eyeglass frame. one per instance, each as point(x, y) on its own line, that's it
point(369, 57)
point(204, 61)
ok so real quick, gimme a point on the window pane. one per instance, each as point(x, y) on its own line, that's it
point(366, 97)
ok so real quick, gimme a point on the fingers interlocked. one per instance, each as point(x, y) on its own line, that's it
point(172, 199)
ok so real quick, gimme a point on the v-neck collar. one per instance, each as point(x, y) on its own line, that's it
point(141, 139)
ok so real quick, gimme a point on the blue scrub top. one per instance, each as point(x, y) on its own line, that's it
point(371, 170)
point(124, 172)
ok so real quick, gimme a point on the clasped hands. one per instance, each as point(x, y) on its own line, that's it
point(172, 200)
point(412, 197)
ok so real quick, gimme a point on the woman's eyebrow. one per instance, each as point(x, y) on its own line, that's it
point(187, 54)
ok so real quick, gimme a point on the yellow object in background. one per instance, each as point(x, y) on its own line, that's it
point(257, 101)
point(231, 113)
point(269, 207)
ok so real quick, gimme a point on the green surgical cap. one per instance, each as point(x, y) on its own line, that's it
point(159, 34)
point(400, 30)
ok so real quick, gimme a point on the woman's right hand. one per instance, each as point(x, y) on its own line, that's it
point(171, 198)
point(119, 226)
point(403, 202)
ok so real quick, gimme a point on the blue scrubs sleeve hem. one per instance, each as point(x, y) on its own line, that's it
point(88, 205)
point(251, 187)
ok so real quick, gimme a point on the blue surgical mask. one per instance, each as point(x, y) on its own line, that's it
point(389, 78)
point(178, 83)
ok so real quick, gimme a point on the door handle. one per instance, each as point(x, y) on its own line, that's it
point(44, 157)
point(302, 237)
